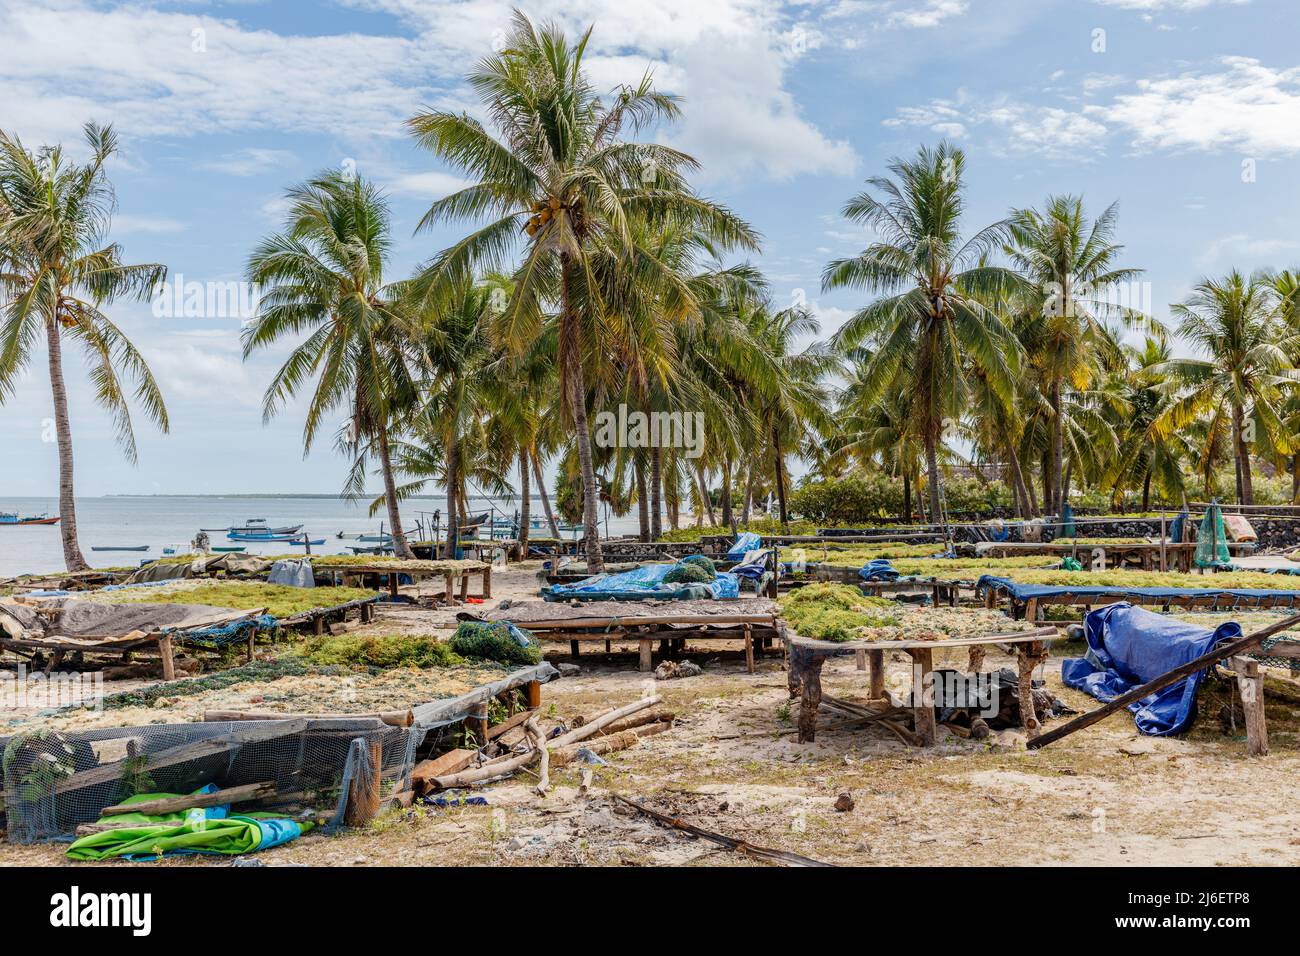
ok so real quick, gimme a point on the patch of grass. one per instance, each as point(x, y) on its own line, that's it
point(397, 650)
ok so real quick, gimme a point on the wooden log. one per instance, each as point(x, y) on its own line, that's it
point(533, 690)
point(534, 733)
point(607, 744)
point(860, 658)
point(1028, 657)
point(477, 721)
point(153, 808)
point(1251, 685)
point(1231, 649)
point(453, 761)
point(923, 716)
point(394, 718)
point(749, 648)
point(810, 698)
point(487, 583)
point(877, 659)
point(510, 723)
point(656, 716)
point(646, 662)
point(168, 660)
point(86, 829)
point(363, 791)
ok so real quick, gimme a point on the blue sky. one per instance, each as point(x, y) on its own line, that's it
point(1163, 105)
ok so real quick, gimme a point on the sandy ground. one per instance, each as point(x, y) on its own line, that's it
point(1105, 796)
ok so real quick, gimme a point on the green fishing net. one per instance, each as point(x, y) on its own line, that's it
point(1211, 541)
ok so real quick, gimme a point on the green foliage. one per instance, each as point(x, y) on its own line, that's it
point(258, 671)
point(398, 650)
point(866, 499)
point(493, 642)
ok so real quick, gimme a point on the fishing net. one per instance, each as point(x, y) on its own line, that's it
point(219, 635)
point(55, 781)
point(1211, 541)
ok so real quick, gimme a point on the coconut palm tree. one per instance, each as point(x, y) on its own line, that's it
point(1070, 272)
point(1246, 372)
point(58, 272)
point(323, 276)
point(557, 171)
point(934, 314)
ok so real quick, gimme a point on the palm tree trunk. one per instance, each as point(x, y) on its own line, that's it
point(728, 515)
point(1247, 482)
point(72, 555)
point(571, 363)
point(706, 498)
point(656, 493)
point(1295, 478)
point(907, 498)
point(932, 469)
point(1046, 466)
point(401, 548)
point(1146, 492)
point(1018, 482)
point(525, 504)
point(779, 467)
point(1058, 449)
point(1241, 457)
point(642, 505)
point(453, 494)
point(541, 493)
point(747, 508)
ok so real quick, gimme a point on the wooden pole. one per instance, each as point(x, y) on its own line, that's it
point(1231, 649)
point(1251, 685)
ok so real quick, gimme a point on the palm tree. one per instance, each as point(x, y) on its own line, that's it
point(1069, 268)
point(1235, 322)
point(57, 273)
point(1147, 452)
point(459, 362)
point(934, 316)
point(323, 276)
point(559, 172)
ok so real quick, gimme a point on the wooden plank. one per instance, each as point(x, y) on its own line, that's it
point(923, 715)
point(453, 761)
point(1231, 649)
point(496, 730)
point(163, 805)
point(1251, 686)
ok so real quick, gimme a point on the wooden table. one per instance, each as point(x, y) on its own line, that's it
point(1145, 554)
point(805, 657)
point(362, 573)
point(668, 630)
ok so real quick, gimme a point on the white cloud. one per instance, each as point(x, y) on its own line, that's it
point(1240, 247)
point(429, 185)
point(249, 162)
point(1168, 4)
point(135, 225)
point(1244, 106)
point(1016, 126)
point(73, 60)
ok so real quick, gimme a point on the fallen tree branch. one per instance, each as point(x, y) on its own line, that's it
point(534, 733)
point(607, 744)
point(740, 846)
point(154, 808)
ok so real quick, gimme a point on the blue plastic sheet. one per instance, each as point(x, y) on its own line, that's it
point(1128, 646)
point(878, 570)
point(1230, 596)
point(745, 543)
point(646, 581)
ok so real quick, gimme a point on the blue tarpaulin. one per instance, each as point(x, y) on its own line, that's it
point(745, 543)
point(1127, 647)
point(643, 582)
point(878, 570)
point(1229, 596)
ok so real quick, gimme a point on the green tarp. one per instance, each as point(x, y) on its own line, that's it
point(194, 831)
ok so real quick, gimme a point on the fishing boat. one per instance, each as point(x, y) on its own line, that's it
point(12, 517)
point(264, 536)
point(231, 550)
point(120, 547)
point(256, 526)
point(378, 549)
point(303, 542)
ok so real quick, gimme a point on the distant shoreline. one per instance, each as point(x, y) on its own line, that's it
point(274, 495)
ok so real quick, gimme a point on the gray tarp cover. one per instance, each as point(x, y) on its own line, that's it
point(95, 621)
point(230, 563)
